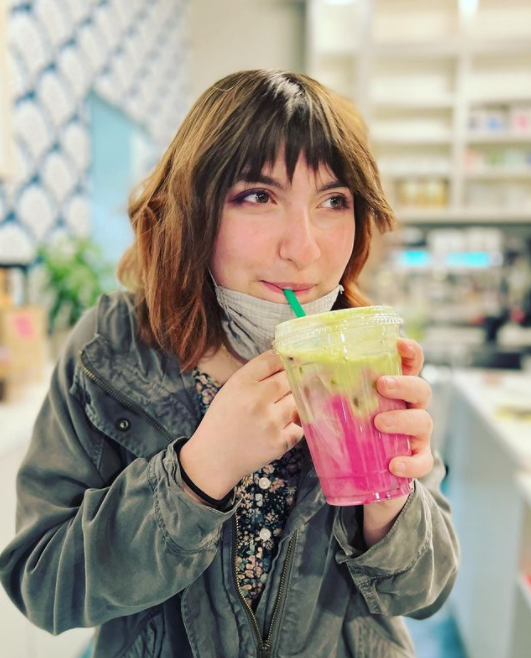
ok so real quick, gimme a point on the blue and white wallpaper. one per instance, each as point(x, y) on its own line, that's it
point(133, 54)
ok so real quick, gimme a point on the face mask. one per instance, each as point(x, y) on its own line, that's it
point(249, 322)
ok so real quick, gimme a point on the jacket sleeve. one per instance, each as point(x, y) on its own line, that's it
point(412, 569)
point(85, 551)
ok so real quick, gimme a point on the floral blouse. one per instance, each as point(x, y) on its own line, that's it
point(267, 497)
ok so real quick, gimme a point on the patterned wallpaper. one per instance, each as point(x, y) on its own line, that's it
point(132, 53)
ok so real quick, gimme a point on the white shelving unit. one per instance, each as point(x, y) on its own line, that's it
point(446, 91)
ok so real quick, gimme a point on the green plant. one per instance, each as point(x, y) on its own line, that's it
point(75, 275)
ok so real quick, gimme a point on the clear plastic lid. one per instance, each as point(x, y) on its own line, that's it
point(311, 327)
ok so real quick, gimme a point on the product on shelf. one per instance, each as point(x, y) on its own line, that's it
point(520, 119)
point(506, 119)
point(503, 159)
point(487, 120)
point(428, 192)
point(23, 339)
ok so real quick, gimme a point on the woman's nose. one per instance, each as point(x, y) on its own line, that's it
point(298, 242)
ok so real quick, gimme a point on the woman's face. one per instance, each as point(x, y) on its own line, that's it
point(274, 235)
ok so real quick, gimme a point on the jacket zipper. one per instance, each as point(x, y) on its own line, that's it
point(264, 646)
point(123, 399)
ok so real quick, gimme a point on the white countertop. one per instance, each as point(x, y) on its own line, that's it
point(503, 398)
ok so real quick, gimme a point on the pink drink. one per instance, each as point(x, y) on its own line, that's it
point(333, 364)
point(352, 457)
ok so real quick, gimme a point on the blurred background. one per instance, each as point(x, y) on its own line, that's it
point(91, 93)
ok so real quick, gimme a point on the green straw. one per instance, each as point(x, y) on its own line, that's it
point(294, 303)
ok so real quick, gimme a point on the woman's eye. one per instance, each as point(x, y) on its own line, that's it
point(256, 197)
point(338, 202)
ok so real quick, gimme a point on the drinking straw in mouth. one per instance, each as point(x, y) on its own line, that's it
point(294, 303)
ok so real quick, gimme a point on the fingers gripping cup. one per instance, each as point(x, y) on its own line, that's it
point(333, 361)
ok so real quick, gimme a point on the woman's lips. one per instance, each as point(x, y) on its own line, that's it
point(298, 289)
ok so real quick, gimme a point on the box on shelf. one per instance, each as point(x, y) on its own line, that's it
point(520, 119)
point(5, 298)
point(23, 345)
point(429, 192)
point(5, 359)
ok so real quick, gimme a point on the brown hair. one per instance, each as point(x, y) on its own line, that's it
point(238, 124)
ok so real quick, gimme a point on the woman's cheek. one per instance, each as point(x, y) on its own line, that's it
point(339, 243)
point(249, 244)
point(251, 233)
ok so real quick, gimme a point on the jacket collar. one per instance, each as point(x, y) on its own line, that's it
point(148, 395)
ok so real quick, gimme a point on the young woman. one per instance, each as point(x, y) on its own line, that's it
point(167, 497)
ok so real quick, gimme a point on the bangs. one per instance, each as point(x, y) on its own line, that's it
point(285, 118)
point(293, 138)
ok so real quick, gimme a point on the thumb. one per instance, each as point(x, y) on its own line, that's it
point(263, 366)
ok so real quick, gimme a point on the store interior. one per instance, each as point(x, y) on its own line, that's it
point(92, 92)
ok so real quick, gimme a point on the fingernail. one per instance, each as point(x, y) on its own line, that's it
point(399, 468)
point(390, 382)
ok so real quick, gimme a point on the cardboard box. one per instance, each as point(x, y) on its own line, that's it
point(23, 343)
point(5, 297)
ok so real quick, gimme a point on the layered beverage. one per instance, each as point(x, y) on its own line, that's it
point(333, 361)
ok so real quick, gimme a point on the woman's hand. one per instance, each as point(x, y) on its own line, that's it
point(414, 421)
point(251, 421)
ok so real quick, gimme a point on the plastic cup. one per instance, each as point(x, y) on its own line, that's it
point(333, 361)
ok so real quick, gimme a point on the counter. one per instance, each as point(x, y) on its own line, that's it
point(503, 399)
point(488, 447)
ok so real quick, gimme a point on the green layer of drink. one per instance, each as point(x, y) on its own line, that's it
point(323, 372)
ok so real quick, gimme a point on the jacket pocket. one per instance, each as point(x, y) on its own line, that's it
point(148, 642)
point(374, 639)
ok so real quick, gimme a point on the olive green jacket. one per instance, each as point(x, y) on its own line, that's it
point(107, 538)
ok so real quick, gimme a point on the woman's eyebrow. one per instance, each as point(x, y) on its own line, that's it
point(267, 180)
point(332, 185)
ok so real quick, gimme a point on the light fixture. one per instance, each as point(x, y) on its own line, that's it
point(468, 8)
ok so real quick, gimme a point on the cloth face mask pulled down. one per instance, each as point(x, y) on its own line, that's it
point(249, 322)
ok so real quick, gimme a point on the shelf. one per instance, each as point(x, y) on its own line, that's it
point(489, 47)
point(502, 99)
point(500, 174)
point(412, 140)
point(461, 216)
point(420, 76)
point(332, 53)
point(498, 138)
point(410, 50)
point(414, 173)
point(454, 48)
point(443, 102)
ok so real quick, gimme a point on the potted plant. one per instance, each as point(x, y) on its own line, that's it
point(75, 274)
